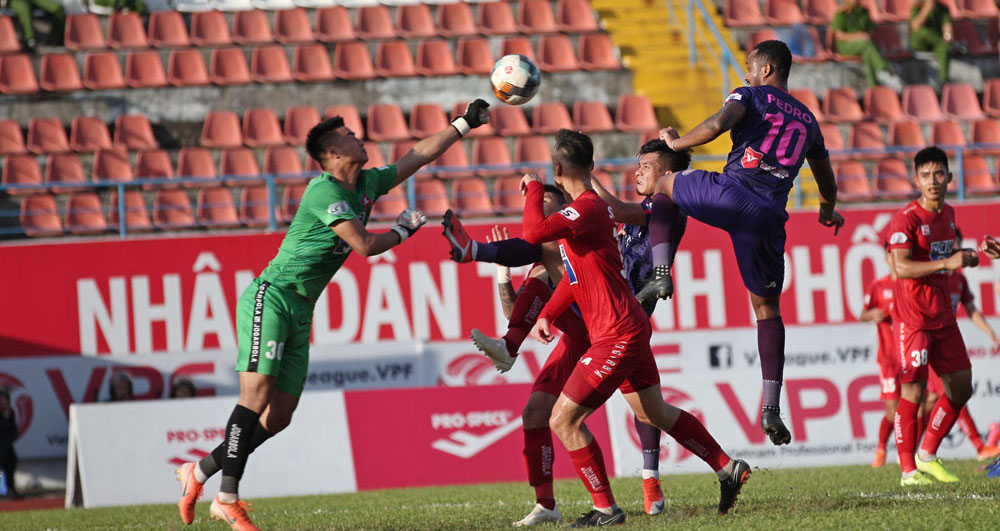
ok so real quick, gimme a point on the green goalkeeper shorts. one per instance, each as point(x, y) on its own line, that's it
point(272, 331)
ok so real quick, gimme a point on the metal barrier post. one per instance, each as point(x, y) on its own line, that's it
point(122, 231)
point(411, 192)
point(691, 47)
point(960, 162)
point(272, 220)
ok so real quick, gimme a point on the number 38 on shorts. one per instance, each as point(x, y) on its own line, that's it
point(918, 358)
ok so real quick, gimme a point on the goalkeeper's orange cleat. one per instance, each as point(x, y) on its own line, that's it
point(190, 491)
point(234, 514)
point(879, 460)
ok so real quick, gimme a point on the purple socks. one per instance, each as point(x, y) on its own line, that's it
point(514, 252)
point(771, 348)
point(649, 437)
point(666, 227)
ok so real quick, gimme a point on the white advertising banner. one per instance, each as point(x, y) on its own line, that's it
point(125, 453)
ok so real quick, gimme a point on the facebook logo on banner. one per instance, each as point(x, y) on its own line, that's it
point(720, 356)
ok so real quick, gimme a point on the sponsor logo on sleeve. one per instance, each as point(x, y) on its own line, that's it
point(570, 213)
point(339, 208)
point(735, 96)
point(751, 158)
point(897, 238)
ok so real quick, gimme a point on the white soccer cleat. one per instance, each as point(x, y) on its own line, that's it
point(495, 350)
point(539, 515)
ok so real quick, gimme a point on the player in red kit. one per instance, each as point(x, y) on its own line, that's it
point(878, 310)
point(619, 355)
point(922, 241)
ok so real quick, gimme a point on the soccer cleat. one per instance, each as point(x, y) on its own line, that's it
point(879, 461)
point(461, 243)
point(596, 518)
point(989, 452)
point(660, 286)
point(730, 487)
point(495, 350)
point(190, 491)
point(652, 496)
point(539, 515)
point(770, 422)
point(234, 514)
point(916, 480)
point(993, 470)
point(936, 470)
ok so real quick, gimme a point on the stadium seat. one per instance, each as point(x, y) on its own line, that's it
point(907, 135)
point(375, 156)
point(64, 173)
point(83, 32)
point(866, 136)
point(497, 18)
point(981, 9)
point(483, 130)
point(888, 40)
point(167, 29)
point(509, 120)
point(228, 66)
point(400, 148)
point(172, 210)
point(852, 182)
point(386, 123)
point(101, 71)
point(251, 27)
point(254, 206)
point(833, 140)
point(991, 97)
point(626, 190)
point(491, 151)
point(125, 30)
point(597, 53)
point(474, 56)
point(967, 34)
point(290, 199)
point(239, 166)
point(144, 69)
point(985, 136)
point(882, 105)
point(47, 135)
point(11, 139)
point(592, 117)
point(549, 117)
point(414, 21)
point(535, 16)
point(333, 24)
point(742, 13)
point(393, 59)
point(59, 73)
point(17, 75)
point(575, 16)
point(269, 64)
point(8, 36)
point(88, 134)
point(432, 198)
point(977, 176)
point(215, 208)
point(959, 102)
point(427, 119)
point(352, 62)
point(311, 63)
point(261, 128)
point(947, 135)
point(136, 213)
point(298, 122)
point(807, 97)
point(434, 58)
point(635, 113)
point(507, 195)
point(453, 157)
point(154, 164)
point(291, 26)
point(186, 68)
point(782, 12)
point(21, 170)
point(819, 12)
point(471, 198)
point(841, 105)
point(532, 149)
point(920, 103)
point(284, 163)
point(455, 20)
point(133, 131)
point(84, 214)
point(891, 11)
point(892, 180)
point(209, 28)
point(196, 163)
point(389, 205)
point(40, 216)
point(350, 115)
point(221, 129)
point(111, 165)
point(374, 22)
point(517, 45)
point(555, 54)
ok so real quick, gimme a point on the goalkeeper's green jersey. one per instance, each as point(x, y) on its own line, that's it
point(311, 252)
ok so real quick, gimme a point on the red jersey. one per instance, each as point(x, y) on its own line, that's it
point(958, 290)
point(880, 295)
point(594, 275)
point(923, 302)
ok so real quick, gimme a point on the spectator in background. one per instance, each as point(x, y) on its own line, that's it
point(182, 388)
point(8, 434)
point(22, 12)
point(931, 31)
point(123, 5)
point(120, 387)
point(852, 28)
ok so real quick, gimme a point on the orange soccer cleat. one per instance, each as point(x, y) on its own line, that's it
point(879, 461)
point(234, 514)
point(190, 491)
point(988, 452)
point(652, 496)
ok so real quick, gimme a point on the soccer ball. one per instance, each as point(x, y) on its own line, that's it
point(515, 79)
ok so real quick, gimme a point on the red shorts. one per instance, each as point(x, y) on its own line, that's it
point(888, 377)
point(934, 384)
point(560, 365)
point(940, 348)
point(607, 365)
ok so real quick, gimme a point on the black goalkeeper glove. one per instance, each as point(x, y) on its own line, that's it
point(476, 114)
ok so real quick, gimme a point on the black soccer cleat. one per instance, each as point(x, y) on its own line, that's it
point(730, 487)
point(770, 422)
point(596, 518)
point(660, 286)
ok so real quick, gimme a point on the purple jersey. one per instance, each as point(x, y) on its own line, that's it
point(772, 141)
point(633, 241)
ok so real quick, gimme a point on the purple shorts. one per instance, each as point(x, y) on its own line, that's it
point(755, 223)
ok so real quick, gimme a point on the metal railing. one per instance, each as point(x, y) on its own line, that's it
point(727, 61)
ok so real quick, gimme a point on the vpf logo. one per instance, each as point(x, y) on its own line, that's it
point(471, 369)
point(20, 401)
point(677, 398)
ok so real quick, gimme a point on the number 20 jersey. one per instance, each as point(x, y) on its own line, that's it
point(772, 140)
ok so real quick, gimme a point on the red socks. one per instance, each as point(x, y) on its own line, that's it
point(589, 465)
point(939, 423)
point(906, 434)
point(884, 430)
point(538, 457)
point(527, 306)
point(691, 434)
point(969, 428)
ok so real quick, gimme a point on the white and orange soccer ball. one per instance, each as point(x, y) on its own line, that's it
point(515, 79)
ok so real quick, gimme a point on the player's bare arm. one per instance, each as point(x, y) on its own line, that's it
point(979, 320)
point(432, 147)
point(728, 116)
point(990, 247)
point(907, 268)
point(370, 244)
point(826, 182)
point(623, 211)
point(874, 315)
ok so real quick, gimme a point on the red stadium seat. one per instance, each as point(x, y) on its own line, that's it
point(841, 105)
point(269, 64)
point(635, 113)
point(59, 73)
point(254, 206)
point(209, 28)
point(833, 139)
point(239, 166)
point(125, 30)
point(782, 12)
point(350, 115)
point(375, 156)
point(414, 21)
point(311, 63)
point(216, 208)
point(101, 71)
point(807, 97)
point(535, 16)
point(333, 24)
point(432, 198)
point(986, 136)
point(154, 164)
point(17, 75)
point(136, 213)
point(978, 179)
point(852, 182)
point(819, 12)
point(11, 139)
point(47, 135)
point(374, 22)
point(133, 131)
point(186, 68)
point(576, 16)
point(960, 102)
point(21, 170)
point(892, 181)
point(84, 214)
point(549, 117)
point(453, 157)
point(111, 165)
point(991, 97)
point(393, 59)
point(83, 32)
point(434, 58)
point(891, 43)
point(8, 36)
point(967, 34)
point(455, 20)
point(298, 122)
point(88, 134)
point(509, 120)
point(947, 135)
point(284, 163)
point(399, 149)
point(907, 134)
point(144, 69)
point(866, 136)
point(517, 45)
point(196, 163)
point(64, 173)
point(592, 117)
point(389, 205)
point(627, 188)
point(507, 195)
point(474, 56)
point(386, 123)
point(893, 11)
point(483, 130)
point(882, 105)
point(251, 27)
point(497, 18)
point(221, 129)
point(351, 61)
point(555, 54)
point(40, 216)
point(291, 26)
point(290, 200)
point(228, 66)
point(427, 119)
point(532, 149)
point(471, 198)
point(167, 29)
point(742, 13)
point(597, 53)
point(491, 151)
point(920, 103)
point(172, 210)
point(985, 9)
point(261, 128)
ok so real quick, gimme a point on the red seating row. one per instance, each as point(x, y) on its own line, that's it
point(892, 180)
point(919, 102)
point(87, 134)
point(740, 13)
point(909, 138)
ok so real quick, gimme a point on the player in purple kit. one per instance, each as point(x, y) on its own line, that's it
point(773, 134)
